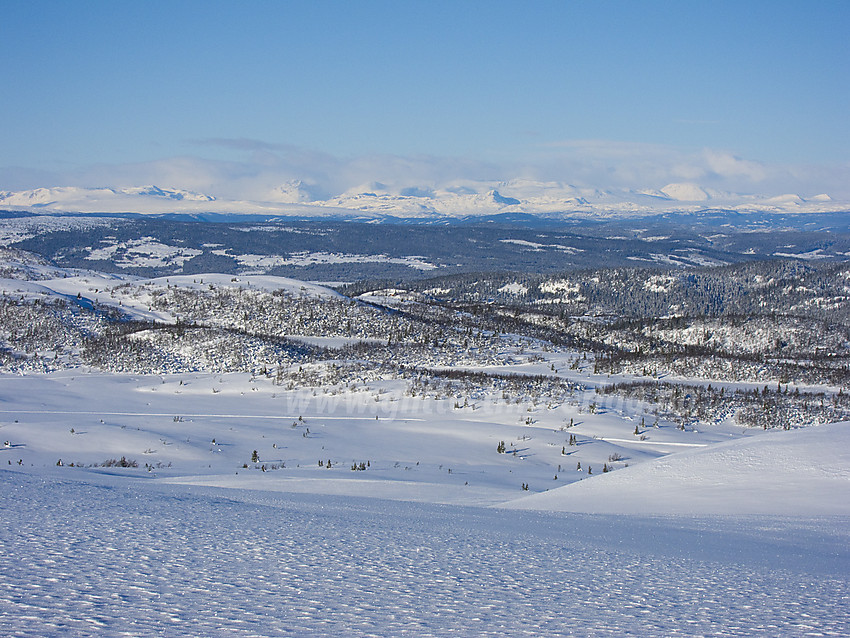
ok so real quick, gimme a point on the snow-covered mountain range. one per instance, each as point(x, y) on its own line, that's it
point(452, 200)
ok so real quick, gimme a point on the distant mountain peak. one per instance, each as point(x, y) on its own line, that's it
point(295, 191)
point(168, 193)
point(501, 199)
point(377, 200)
point(686, 192)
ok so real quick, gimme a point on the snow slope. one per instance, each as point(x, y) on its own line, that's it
point(795, 473)
point(132, 294)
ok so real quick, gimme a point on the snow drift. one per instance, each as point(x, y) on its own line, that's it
point(802, 472)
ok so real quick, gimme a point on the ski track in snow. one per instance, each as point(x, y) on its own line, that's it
point(106, 557)
point(241, 417)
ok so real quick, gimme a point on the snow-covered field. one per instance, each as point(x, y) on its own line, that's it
point(96, 555)
point(434, 537)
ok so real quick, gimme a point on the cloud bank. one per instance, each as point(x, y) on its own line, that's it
point(247, 169)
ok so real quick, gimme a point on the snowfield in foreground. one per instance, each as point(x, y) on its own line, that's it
point(100, 555)
point(193, 537)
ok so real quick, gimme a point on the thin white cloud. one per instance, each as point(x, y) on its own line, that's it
point(239, 144)
point(633, 165)
point(727, 165)
point(255, 170)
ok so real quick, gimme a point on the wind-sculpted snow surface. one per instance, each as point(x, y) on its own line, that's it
point(107, 557)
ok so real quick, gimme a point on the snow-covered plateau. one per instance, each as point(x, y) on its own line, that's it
point(214, 455)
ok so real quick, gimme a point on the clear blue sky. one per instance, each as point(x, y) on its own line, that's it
point(118, 82)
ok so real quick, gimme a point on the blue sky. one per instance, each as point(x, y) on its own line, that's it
point(742, 94)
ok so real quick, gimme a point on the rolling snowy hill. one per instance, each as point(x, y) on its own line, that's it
point(803, 473)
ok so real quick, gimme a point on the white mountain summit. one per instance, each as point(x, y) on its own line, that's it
point(175, 194)
point(686, 192)
point(68, 198)
point(377, 200)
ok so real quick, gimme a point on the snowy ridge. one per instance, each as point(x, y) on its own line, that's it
point(15, 229)
point(799, 473)
point(451, 200)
